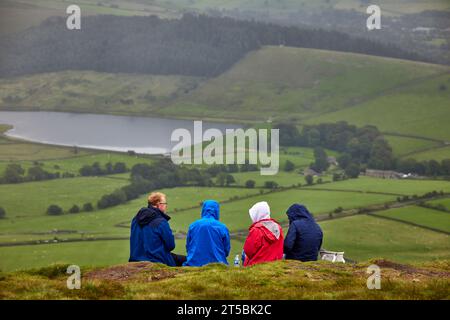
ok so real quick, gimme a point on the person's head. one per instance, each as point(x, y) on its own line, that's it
point(259, 211)
point(211, 209)
point(298, 211)
point(158, 200)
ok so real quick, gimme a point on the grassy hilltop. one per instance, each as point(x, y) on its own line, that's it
point(269, 281)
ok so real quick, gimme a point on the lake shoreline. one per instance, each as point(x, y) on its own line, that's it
point(99, 132)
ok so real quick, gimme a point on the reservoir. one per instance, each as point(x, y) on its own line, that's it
point(106, 132)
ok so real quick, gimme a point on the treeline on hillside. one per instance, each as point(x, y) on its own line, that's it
point(159, 175)
point(195, 45)
point(359, 147)
point(165, 174)
point(97, 170)
point(15, 173)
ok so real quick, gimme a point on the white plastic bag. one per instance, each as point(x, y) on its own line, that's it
point(332, 256)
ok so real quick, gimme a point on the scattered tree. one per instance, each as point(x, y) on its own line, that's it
point(289, 166)
point(88, 207)
point(250, 184)
point(270, 185)
point(74, 209)
point(309, 180)
point(54, 210)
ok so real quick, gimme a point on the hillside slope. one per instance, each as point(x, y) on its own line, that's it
point(420, 109)
point(307, 84)
point(275, 280)
point(278, 83)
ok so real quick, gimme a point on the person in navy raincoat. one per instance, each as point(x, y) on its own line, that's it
point(151, 238)
point(304, 238)
point(208, 239)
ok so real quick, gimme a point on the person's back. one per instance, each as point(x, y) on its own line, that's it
point(208, 240)
point(265, 239)
point(151, 238)
point(304, 238)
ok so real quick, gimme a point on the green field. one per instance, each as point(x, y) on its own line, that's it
point(420, 109)
point(284, 179)
point(15, 150)
point(422, 216)
point(444, 202)
point(300, 156)
point(73, 163)
point(235, 214)
point(33, 198)
point(365, 237)
point(393, 186)
point(101, 223)
point(405, 146)
point(438, 154)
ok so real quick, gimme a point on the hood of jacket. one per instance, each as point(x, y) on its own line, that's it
point(270, 229)
point(210, 209)
point(147, 215)
point(298, 211)
point(259, 211)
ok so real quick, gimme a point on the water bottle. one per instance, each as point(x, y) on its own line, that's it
point(236, 261)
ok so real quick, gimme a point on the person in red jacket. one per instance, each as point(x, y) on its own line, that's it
point(265, 239)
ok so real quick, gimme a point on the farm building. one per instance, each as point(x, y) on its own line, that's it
point(310, 172)
point(385, 174)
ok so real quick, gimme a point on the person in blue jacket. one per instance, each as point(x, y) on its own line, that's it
point(208, 239)
point(304, 238)
point(151, 238)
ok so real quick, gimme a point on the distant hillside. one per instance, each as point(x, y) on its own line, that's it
point(392, 7)
point(190, 46)
point(300, 84)
point(270, 281)
point(407, 99)
point(421, 109)
point(99, 92)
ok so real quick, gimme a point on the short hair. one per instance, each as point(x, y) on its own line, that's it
point(155, 197)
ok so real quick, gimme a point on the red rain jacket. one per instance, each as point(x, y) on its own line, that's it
point(264, 242)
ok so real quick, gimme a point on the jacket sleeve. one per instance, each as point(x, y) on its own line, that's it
point(252, 243)
point(289, 241)
point(167, 236)
point(188, 241)
point(321, 240)
point(226, 242)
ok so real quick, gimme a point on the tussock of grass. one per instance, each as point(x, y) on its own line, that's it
point(51, 272)
point(275, 280)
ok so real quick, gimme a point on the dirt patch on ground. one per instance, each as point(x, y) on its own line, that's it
point(410, 271)
point(146, 271)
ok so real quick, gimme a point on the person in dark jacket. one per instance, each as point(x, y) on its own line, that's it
point(304, 238)
point(208, 239)
point(151, 238)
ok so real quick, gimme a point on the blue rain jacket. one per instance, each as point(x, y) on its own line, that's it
point(208, 239)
